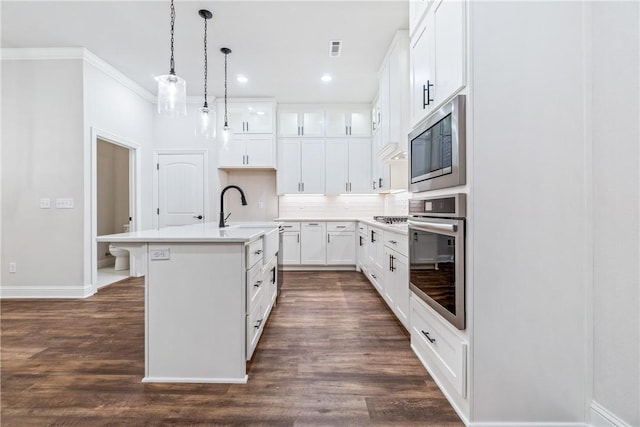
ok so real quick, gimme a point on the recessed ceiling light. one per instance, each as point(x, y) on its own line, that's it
point(242, 79)
point(326, 78)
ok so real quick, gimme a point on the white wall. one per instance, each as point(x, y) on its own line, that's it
point(615, 90)
point(528, 212)
point(42, 144)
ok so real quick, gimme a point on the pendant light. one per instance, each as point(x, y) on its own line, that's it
point(227, 132)
point(205, 118)
point(172, 90)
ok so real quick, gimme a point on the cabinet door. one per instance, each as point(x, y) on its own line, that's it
point(288, 166)
point(313, 123)
point(290, 248)
point(312, 166)
point(288, 123)
point(336, 123)
point(401, 273)
point(235, 116)
point(259, 118)
point(449, 39)
point(417, 8)
point(260, 151)
point(359, 166)
point(399, 94)
point(421, 71)
point(390, 280)
point(362, 251)
point(232, 153)
point(341, 248)
point(384, 88)
point(337, 159)
point(359, 124)
point(313, 247)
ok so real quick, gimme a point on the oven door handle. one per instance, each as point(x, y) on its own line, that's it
point(432, 226)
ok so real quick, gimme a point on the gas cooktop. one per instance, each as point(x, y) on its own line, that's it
point(391, 219)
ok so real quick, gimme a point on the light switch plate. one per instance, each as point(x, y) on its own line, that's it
point(160, 254)
point(45, 203)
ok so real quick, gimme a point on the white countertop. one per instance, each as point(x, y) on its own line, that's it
point(397, 228)
point(205, 232)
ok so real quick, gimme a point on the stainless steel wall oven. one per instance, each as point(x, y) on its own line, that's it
point(437, 254)
point(437, 149)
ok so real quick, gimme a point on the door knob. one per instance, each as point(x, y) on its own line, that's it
point(198, 217)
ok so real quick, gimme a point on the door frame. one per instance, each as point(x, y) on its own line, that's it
point(135, 193)
point(156, 181)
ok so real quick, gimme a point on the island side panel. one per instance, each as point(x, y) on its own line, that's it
point(195, 323)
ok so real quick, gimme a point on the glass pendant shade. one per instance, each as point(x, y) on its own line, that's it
point(227, 134)
point(172, 96)
point(206, 122)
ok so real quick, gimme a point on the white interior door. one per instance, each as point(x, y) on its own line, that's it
point(181, 180)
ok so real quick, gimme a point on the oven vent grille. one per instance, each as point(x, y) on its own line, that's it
point(335, 48)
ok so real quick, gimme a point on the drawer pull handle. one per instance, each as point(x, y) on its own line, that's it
point(426, 334)
point(258, 323)
point(392, 242)
point(258, 283)
point(258, 252)
point(287, 226)
point(341, 226)
point(373, 275)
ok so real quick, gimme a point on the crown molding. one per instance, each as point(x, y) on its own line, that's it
point(76, 53)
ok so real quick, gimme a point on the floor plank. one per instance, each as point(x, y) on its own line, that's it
point(332, 354)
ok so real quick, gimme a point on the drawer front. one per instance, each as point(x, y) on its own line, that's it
point(397, 242)
point(271, 242)
point(255, 325)
point(341, 226)
point(254, 252)
point(255, 285)
point(363, 228)
point(438, 345)
point(377, 279)
point(290, 226)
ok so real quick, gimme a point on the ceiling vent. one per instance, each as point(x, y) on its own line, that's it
point(335, 47)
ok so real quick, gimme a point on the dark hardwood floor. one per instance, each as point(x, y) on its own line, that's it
point(332, 354)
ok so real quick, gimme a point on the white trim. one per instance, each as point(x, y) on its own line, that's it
point(46, 291)
point(156, 184)
point(604, 417)
point(319, 268)
point(526, 424)
point(135, 193)
point(62, 53)
point(196, 380)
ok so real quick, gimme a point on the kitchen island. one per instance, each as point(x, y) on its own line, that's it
point(208, 293)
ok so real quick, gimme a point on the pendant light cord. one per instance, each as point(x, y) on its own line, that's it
point(205, 63)
point(173, 20)
point(225, 90)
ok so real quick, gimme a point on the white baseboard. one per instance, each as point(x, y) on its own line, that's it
point(44, 291)
point(319, 268)
point(602, 417)
point(196, 380)
point(526, 424)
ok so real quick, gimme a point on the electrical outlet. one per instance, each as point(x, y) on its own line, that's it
point(261, 204)
point(12, 267)
point(45, 203)
point(64, 203)
point(160, 254)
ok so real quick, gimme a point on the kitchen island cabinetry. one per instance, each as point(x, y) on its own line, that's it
point(207, 297)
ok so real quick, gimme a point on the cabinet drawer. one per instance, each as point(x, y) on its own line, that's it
point(341, 226)
point(377, 279)
point(254, 327)
point(397, 242)
point(254, 252)
point(255, 284)
point(439, 346)
point(290, 226)
point(363, 228)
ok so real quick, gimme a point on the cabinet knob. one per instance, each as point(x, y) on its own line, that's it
point(258, 283)
point(258, 323)
point(258, 252)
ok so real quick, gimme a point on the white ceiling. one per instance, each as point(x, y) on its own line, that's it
point(281, 46)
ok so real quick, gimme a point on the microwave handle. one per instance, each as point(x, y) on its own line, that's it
point(432, 226)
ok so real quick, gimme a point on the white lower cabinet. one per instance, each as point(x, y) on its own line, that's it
point(313, 243)
point(396, 285)
point(341, 248)
point(441, 349)
point(362, 247)
point(291, 243)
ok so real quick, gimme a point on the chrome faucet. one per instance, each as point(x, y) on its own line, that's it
point(242, 199)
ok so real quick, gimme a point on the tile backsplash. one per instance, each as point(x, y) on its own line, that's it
point(343, 206)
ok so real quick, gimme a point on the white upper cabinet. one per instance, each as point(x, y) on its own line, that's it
point(249, 117)
point(348, 160)
point(348, 122)
point(438, 51)
point(247, 151)
point(417, 9)
point(301, 166)
point(301, 121)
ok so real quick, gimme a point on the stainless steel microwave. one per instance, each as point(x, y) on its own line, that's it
point(437, 149)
